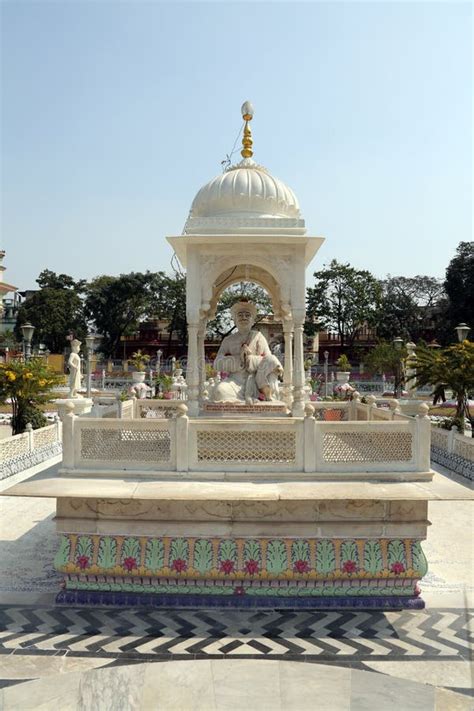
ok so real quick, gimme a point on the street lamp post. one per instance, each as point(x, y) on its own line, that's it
point(326, 357)
point(27, 330)
point(462, 330)
point(158, 361)
point(90, 340)
point(398, 343)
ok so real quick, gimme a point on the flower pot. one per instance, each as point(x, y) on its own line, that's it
point(138, 376)
point(342, 376)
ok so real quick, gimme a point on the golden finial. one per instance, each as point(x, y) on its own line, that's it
point(247, 115)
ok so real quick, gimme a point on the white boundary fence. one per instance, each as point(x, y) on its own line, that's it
point(22, 451)
point(333, 438)
point(453, 450)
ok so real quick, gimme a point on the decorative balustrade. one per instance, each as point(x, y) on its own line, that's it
point(22, 451)
point(314, 444)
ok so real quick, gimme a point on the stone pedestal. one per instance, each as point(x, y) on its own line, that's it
point(80, 406)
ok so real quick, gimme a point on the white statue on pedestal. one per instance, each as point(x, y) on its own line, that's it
point(252, 369)
point(74, 365)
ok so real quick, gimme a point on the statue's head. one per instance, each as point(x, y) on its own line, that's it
point(244, 314)
point(75, 345)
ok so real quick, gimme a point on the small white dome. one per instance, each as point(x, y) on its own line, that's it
point(244, 196)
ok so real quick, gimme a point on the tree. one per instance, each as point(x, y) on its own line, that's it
point(385, 358)
point(452, 368)
point(55, 310)
point(407, 305)
point(27, 386)
point(173, 307)
point(343, 299)
point(459, 286)
point(222, 325)
point(117, 304)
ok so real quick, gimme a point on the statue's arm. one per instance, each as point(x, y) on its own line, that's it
point(224, 361)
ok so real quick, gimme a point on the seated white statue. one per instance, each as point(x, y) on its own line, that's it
point(252, 369)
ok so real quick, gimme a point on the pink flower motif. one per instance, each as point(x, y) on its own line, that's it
point(239, 590)
point(130, 563)
point(179, 565)
point(397, 568)
point(251, 567)
point(349, 566)
point(227, 566)
point(83, 561)
point(301, 566)
point(417, 591)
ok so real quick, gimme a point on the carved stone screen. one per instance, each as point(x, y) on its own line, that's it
point(126, 445)
point(367, 446)
point(237, 446)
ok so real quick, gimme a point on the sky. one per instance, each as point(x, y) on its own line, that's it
point(114, 114)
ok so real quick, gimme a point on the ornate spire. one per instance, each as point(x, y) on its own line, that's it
point(247, 115)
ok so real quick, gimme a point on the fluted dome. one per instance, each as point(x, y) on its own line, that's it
point(244, 198)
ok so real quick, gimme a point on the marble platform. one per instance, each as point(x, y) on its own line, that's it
point(223, 685)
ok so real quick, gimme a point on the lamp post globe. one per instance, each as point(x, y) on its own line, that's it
point(462, 330)
point(27, 331)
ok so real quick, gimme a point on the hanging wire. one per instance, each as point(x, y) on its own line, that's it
point(228, 158)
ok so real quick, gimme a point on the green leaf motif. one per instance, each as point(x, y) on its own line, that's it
point(252, 550)
point(300, 551)
point(62, 556)
point(325, 558)
point(84, 546)
point(349, 551)
point(154, 554)
point(203, 555)
point(420, 564)
point(396, 552)
point(227, 550)
point(107, 552)
point(131, 549)
point(372, 557)
point(276, 557)
point(179, 549)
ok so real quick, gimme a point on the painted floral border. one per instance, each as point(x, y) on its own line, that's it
point(241, 559)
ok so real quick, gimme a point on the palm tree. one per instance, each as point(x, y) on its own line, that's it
point(450, 368)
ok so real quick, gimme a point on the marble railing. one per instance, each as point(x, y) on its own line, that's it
point(258, 445)
point(22, 451)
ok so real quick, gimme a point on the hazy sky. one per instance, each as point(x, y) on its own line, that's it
point(114, 114)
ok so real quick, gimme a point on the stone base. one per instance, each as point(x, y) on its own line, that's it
point(121, 599)
point(81, 406)
point(238, 409)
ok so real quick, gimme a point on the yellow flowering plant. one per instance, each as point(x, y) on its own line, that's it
point(27, 386)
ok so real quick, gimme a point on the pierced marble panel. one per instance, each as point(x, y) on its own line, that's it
point(253, 446)
point(367, 446)
point(126, 445)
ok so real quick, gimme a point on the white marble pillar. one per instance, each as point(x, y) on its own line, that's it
point(298, 374)
point(288, 364)
point(192, 372)
point(202, 357)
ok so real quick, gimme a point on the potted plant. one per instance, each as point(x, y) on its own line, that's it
point(343, 372)
point(139, 361)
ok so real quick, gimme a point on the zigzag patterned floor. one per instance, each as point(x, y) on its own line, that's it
point(310, 636)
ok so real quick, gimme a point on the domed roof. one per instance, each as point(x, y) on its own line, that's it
point(244, 196)
point(246, 188)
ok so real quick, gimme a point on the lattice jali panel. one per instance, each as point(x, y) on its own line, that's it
point(439, 438)
point(367, 446)
point(331, 414)
point(126, 445)
point(162, 413)
point(13, 447)
point(254, 446)
point(45, 436)
point(465, 448)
